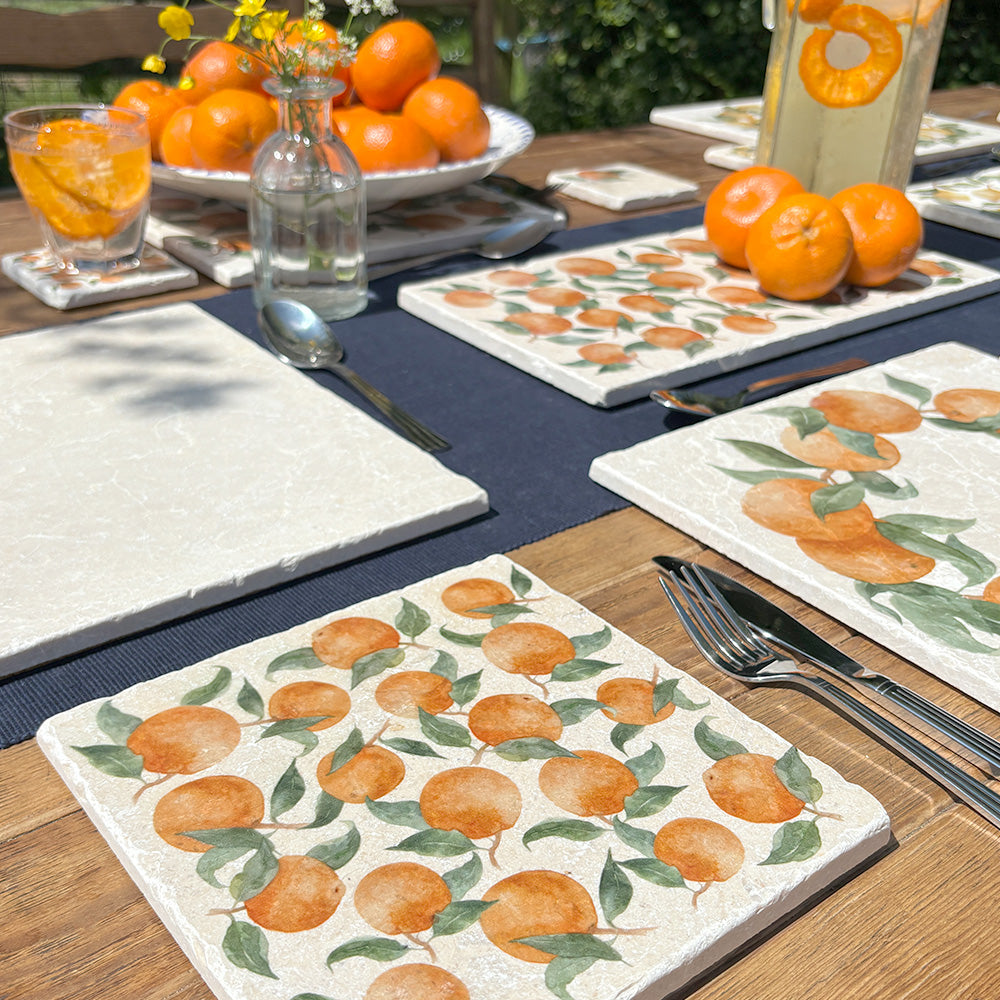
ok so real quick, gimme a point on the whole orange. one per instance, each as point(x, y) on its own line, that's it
point(386, 142)
point(800, 248)
point(220, 65)
point(228, 127)
point(391, 61)
point(737, 202)
point(887, 232)
point(175, 140)
point(450, 112)
point(156, 101)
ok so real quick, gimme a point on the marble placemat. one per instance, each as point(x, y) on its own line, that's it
point(970, 202)
point(469, 787)
point(622, 186)
point(158, 462)
point(872, 496)
point(611, 322)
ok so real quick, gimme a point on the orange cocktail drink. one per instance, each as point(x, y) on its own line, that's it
point(85, 173)
point(846, 88)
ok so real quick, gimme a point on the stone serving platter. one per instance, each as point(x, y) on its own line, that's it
point(915, 566)
point(609, 323)
point(159, 462)
point(738, 121)
point(472, 787)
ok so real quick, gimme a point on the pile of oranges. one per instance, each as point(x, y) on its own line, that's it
point(799, 245)
point(395, 112)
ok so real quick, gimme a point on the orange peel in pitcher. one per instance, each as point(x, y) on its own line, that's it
point(813, 11)
point(857, 85)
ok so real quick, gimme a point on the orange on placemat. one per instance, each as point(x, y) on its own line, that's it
point(318, 53)
point(175, 140)
point(385, 142)
point(218, 66)
point(800, 248)
point(853, 86)
point(887, 232)
point(450, 112)
point(83, 179)
point(391, 61)
point(228, 126)
point(737, 202)
point(156, 102)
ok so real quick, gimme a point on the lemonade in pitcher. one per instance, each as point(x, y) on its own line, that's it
point(846, 89)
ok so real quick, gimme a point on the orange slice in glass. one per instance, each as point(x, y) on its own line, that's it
point(856, 85)
point(813, 11)
point(903, 11)
point(85, 180)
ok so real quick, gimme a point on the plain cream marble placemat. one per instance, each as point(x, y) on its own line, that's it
point(394, 797)
point(159, 462)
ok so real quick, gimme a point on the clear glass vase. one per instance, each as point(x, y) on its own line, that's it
point(307, 208)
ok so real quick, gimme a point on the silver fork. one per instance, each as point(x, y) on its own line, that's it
point(723, 639)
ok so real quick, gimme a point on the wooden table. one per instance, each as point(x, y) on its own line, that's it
point(918, 923)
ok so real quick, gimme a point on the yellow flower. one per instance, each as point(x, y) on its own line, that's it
point(154, 64)
point(269, 24)
point(176, 22)
point(249, 8)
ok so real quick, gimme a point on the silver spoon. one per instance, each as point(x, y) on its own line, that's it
point(704, 404)
point(302, 339)
point(507, 241)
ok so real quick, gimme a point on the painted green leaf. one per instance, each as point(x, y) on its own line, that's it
point(638, 839)
point(860, 442)
point(987, 425)
point(288, 727)
point(650, 800)
point(458, 915)
point(566, 829)
point(207, 692)
point(327, 810)
point(287, 792)
point(795, 841)
point(581, 669)
point(572, 946)
point(466, 688)
point(831, 499)
point(663, 693)
point(766, 455)
point(948, 630)
point(794, 774)
point(259, 870)
point(347, 750)
point(714, 744)
point(373, 664)
point(805, 419)
point(375, 948)
point(445, 665)
point(584, 645)
point(754, 476)
point(509, 613)
point(917, 392)
point(213, 859)
point(461, 879)
point(115, 724)
point(116, 761)
point(682, 701)
point(931, 524)
point(232, 838)
point(647, 765)
point(621, 733)
point(337, 852)
point(462, 640)
point(443, 731)
point(614, 890)
point(405, 813)
point(311, 996)
point(294, 659)
point(573, 710)
point(916, 541)
point(560, 972)
point(883, 486)
point(415, 747)
point(655, 871)
point(530, 748)
point(412, 620)
point(250, 701)
point(436, 844)
point(520, 582)
point(246, 947)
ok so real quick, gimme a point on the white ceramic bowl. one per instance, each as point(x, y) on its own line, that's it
point(509, 135)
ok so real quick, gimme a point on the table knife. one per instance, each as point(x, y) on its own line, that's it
point(779, 627)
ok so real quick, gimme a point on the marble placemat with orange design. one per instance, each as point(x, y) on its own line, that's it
point(471, 787)
point(212, 235)
point(609, 323)
point(872, 497)
point(970, 202)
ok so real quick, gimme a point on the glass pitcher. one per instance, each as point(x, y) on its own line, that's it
point(846, 88)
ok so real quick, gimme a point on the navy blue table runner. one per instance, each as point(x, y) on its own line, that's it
point(528, 444)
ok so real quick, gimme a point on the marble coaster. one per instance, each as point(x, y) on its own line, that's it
point(622, 186)
point(470, 787)
point(35, 272)
point(158, 462)
point(898, 459)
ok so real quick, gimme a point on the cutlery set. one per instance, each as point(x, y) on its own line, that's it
point(746, 637)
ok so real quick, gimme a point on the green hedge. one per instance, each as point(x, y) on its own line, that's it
point(589, 64)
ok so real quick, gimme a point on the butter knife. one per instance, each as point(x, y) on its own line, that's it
point(776, 625)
